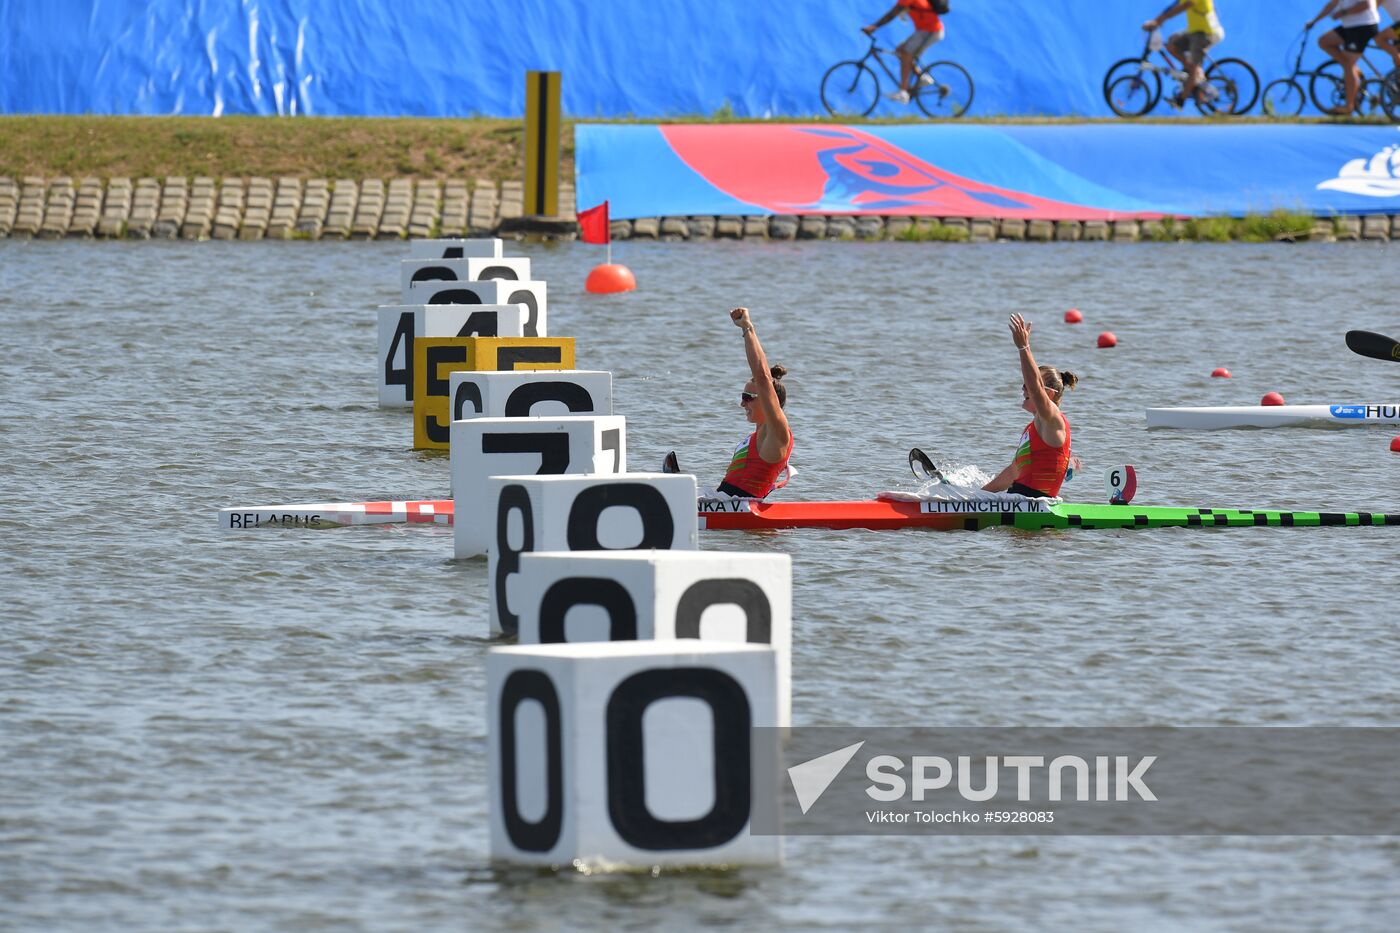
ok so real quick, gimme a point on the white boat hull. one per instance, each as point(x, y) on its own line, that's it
point(1273, 416)
point(333, 514)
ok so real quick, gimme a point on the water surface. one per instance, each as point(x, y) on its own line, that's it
point(286, 729)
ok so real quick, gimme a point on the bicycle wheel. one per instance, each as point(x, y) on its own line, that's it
point(1371, 99)
point(1131, 95)
point(1217, 95)
point(1284, 98)
point(850, 89)
point(1329, 91)
point(1236, 79)
point(944, 90)
point(1390, 95)
point(1328, 88)
point(1129, 66)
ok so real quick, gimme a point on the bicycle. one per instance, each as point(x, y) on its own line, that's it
point(1284, 97)
point(1378, 93)
point(852, 88)
point(1133, 86)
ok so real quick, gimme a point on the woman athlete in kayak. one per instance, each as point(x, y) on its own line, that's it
point(760, 458)
point(1038, 468)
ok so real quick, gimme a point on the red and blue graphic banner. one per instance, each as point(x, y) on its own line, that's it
point(1052, 172)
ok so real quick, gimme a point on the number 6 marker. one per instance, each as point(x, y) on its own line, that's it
point(1122, 484)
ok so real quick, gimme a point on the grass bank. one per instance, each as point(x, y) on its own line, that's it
point(305, 147)
point(322, 147)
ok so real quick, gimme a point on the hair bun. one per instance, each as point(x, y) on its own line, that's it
point(778, 372)
point(1069, 379)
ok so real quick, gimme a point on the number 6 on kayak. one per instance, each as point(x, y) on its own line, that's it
point(1122, 484)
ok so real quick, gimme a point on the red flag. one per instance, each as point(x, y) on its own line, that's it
point(593, 224)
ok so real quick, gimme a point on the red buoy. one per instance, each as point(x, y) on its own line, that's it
point(1271, 398)
point(1395, 443)
point(610, 277)
point(1072, 316)
point(1106, 339)
point(1220, 372)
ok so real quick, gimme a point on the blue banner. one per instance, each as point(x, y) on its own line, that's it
point(1058, 172)
point(651, 58)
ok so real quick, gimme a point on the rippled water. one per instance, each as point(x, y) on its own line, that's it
point(285, 729)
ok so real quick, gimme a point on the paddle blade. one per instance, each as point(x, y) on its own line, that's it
point(1376, 346)
point(921, 465)
point(670, 464)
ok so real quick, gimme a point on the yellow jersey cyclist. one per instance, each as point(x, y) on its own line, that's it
point(1358, 22)
point(1203, 31)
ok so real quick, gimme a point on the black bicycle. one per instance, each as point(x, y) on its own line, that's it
point(1133, 86)
point(852, 88)
point(1379, 93)
point(1327, 87)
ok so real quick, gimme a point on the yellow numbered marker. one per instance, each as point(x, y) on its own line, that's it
point(435, 357)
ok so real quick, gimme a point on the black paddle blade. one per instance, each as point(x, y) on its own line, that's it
point(670, 464)
point(1376, 346)
point(922, 466)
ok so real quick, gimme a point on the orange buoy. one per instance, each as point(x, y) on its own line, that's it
point(1072, 316)
point(1395, 443)
point(1220, 372)
point(1106, 339)
point(610, 277)
point(1271, 398)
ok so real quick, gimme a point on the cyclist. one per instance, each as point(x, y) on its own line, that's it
point(1358, 24)
point(1388, 40)
point(1203, 31)
point(928, 29)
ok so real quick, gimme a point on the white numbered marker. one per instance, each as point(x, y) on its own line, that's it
point(1121, 482)
point(632, 754)
point(494, 292)
point(526, 393)
point(401, 325)
point(644, 595)
point(456, 248)
point(629, 511)
point(487, 447)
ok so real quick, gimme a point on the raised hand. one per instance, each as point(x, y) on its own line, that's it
point(740, 316)
point(1020, 331)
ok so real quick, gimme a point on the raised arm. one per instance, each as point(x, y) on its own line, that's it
point(774, 441)
point(1162, 17)
point(894, 11)
point(1047, 416)
point(1327, 8)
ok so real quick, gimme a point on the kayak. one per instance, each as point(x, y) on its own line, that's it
point(877, 514)
point(1273, 416)
point(334, 514)
point(961, 516)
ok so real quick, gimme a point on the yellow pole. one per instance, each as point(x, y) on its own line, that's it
point(542, 144)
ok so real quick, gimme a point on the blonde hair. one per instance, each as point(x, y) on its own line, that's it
point(1057, 381)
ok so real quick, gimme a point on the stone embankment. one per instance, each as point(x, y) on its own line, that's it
point(262, 208)
point(347, 209)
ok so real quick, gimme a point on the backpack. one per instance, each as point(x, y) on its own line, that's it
point(939, 6)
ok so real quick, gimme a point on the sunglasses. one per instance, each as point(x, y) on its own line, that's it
point(747, 397)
